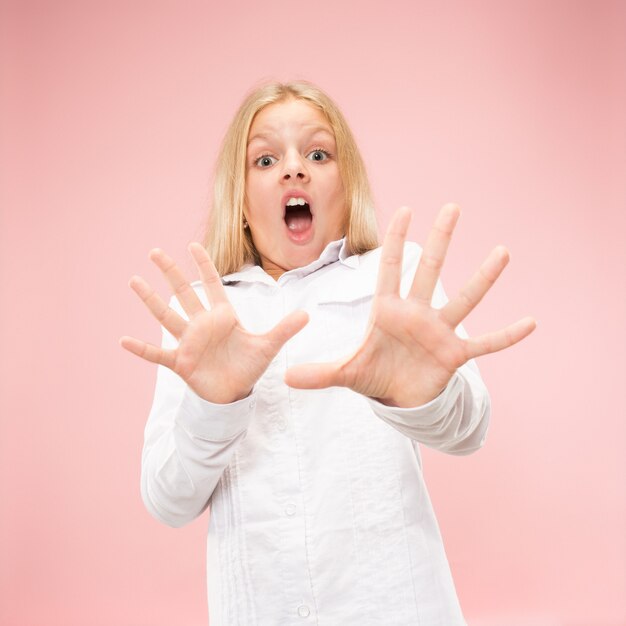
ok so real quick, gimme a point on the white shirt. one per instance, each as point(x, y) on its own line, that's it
point(319, 511)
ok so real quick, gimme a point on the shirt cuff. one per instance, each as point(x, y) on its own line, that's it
point(214, 422)
point(426, 414)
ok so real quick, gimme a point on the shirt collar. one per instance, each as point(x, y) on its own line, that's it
point(334, 251)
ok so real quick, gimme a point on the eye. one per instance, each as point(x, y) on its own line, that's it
point(265, 161)
point(318, 155)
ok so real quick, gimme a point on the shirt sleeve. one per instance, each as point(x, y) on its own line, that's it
point(456, 421)
point(188, 442)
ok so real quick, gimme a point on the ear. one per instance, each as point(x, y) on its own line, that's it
point(244, 213)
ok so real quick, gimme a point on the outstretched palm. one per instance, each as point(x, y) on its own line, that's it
point(410, 350)
point(216, 356)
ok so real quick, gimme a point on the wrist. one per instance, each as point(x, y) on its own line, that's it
point(224, 396)
point(411, 400)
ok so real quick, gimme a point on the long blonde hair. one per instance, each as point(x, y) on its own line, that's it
point(228, 243)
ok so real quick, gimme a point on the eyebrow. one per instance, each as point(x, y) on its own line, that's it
point(314, 130)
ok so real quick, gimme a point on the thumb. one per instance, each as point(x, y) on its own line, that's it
point(314, 376)
point(287, 328)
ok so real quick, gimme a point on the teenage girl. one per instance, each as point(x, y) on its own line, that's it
point(297, 378)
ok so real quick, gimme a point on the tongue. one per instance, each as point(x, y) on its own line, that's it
point(298, 220)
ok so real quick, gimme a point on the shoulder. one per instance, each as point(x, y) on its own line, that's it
point(357, 280)
point(370, 261)
point(369, 264)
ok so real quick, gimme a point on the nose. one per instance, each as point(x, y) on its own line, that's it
point(294, 167)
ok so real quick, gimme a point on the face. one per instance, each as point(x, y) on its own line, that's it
point(295, 202)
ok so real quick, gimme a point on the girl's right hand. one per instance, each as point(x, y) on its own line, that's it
point(215, 356)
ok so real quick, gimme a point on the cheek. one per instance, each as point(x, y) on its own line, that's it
point(339, 189)
point(259, 197)
point(340, 198)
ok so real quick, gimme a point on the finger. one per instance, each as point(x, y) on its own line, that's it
point(434, 253)
point(314, 376)
point(457, 309)
point(501, 339)
point(180, 286)
point(287, 328)
point(148, 351)
point(167, 317)
point(390, 271)
point(211, 280)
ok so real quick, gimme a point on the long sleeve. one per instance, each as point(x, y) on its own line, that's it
point(188, 443)
point(456, 421)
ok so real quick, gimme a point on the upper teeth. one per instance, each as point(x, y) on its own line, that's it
point(296, 201)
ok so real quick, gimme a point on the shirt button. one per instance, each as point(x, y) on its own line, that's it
point(303, 610)
point(290, 509)
point(281, 426)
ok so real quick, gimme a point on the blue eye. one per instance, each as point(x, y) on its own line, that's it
point(265, 161)
point(318, 155)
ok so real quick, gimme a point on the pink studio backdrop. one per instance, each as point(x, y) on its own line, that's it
point(112, 114)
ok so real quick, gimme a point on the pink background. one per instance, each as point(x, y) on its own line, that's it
point(112, 114)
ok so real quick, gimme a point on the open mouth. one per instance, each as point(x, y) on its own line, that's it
point(298, 215)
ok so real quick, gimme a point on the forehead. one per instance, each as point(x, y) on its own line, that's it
point(289, 117)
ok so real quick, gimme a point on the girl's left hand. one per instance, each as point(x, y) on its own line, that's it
point(410, 350)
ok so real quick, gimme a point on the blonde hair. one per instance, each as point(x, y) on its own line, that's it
point(228, 243)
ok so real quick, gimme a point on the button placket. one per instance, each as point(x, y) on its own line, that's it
point(284, 425)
